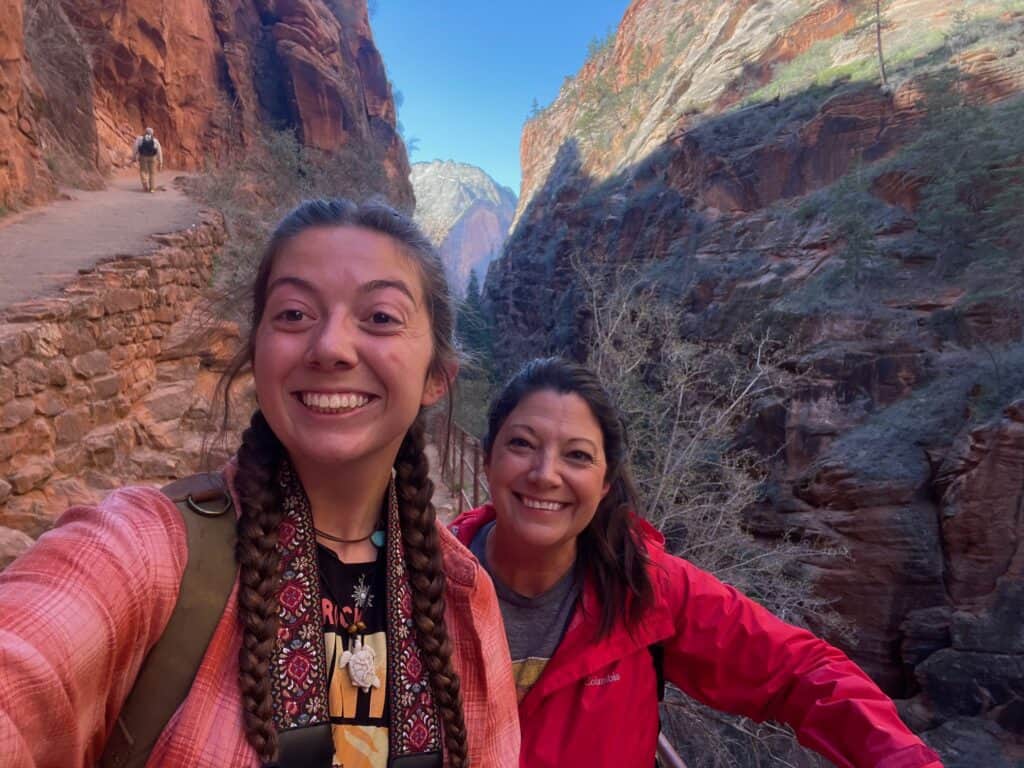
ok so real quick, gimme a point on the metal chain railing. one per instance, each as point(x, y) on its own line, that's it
point(461, 465)
point(667, 755)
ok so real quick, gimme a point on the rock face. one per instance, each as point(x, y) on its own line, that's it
point(208, 75)
point(707, 145)
point(21, 169)
point(465, 212)
point(670, 63)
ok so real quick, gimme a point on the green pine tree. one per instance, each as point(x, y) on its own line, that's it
point(851, 215)
point(472, 325)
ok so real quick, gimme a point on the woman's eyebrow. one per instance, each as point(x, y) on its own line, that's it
point(525, 427)
point(298, 282)
point(378, 285)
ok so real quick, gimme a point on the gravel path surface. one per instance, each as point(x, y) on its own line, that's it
point(42, 248)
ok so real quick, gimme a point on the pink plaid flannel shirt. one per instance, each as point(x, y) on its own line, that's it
point(80, 610)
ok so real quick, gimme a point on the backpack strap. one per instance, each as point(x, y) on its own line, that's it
point(657, 651)
point(170, 667)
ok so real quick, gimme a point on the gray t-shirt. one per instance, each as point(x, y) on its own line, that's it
point(534, 625)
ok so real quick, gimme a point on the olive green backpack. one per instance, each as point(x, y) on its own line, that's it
point(170, 667)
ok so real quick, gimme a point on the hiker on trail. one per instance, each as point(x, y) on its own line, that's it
point(151, 159)
point(359, 631)
point(598, 614)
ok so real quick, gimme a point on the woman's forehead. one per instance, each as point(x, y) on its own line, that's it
point(564, 414)
point(329, 257)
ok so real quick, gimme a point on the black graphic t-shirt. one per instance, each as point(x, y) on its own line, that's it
point(355, 637)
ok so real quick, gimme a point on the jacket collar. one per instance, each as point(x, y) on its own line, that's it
point(467, 525)
point(581, 654)
point(460, 567)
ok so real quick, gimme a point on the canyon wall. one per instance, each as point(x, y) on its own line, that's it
point(743, 164)
point(80, 80)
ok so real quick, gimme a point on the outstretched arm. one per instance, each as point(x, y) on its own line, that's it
point(734, 655)
point(78, 613)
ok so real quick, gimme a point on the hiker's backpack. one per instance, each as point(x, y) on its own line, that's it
point(147, 147)
point(170, 667)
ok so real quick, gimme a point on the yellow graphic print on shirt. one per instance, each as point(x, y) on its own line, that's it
point(357, 746)
point(355, 642)
point(526, 672)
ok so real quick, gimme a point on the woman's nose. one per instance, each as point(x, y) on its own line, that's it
point(545, 470)
point(334, 345)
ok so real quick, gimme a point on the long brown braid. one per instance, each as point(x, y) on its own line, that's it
point(426, 577)
point(259, 497)
point(258, 561)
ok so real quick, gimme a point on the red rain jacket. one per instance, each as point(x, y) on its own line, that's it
point(595, 704)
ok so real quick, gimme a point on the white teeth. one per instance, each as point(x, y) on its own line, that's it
point(548, 506)
point(333, 402)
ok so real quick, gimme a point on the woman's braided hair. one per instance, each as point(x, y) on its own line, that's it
point(259, 459)
point(426, 578)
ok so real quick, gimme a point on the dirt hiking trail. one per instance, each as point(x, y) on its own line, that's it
point(42, 248)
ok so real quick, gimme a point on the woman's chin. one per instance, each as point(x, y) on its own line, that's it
point(323, 457)
point(540, 537)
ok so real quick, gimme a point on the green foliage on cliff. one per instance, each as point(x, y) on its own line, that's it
point(852, 216)
point(972, 159)
point(967, 164)
point(980, 386)
point(829, 62)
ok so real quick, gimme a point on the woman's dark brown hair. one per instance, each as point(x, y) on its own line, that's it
point(609, 550)
point(259, 458)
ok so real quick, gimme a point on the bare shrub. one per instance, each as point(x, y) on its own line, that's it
point(682, 403)
point(259, 183)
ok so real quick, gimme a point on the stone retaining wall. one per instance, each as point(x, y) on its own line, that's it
point(106, 383)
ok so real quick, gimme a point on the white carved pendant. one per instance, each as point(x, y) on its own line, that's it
point(362, 665)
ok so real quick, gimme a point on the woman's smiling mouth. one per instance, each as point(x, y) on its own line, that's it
point(541, 504)
point(333, 402)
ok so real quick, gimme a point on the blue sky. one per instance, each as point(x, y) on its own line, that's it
point(469, 71)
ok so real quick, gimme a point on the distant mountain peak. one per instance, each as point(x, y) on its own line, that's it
point(464, 212)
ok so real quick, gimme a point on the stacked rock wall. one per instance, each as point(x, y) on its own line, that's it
point(105, 384)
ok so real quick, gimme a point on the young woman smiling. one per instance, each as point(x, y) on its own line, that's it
point(359, 631)
point(590, 597)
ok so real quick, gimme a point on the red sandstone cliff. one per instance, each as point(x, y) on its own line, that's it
point(704, 145)
point(79, 80)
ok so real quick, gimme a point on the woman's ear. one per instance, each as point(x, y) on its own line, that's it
point(439, 381)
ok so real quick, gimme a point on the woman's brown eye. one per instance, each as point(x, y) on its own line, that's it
point(382, 318)
point(291, 315)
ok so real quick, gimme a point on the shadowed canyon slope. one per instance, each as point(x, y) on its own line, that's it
point(79, 79)
point(743, 162)
point(465, 213)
